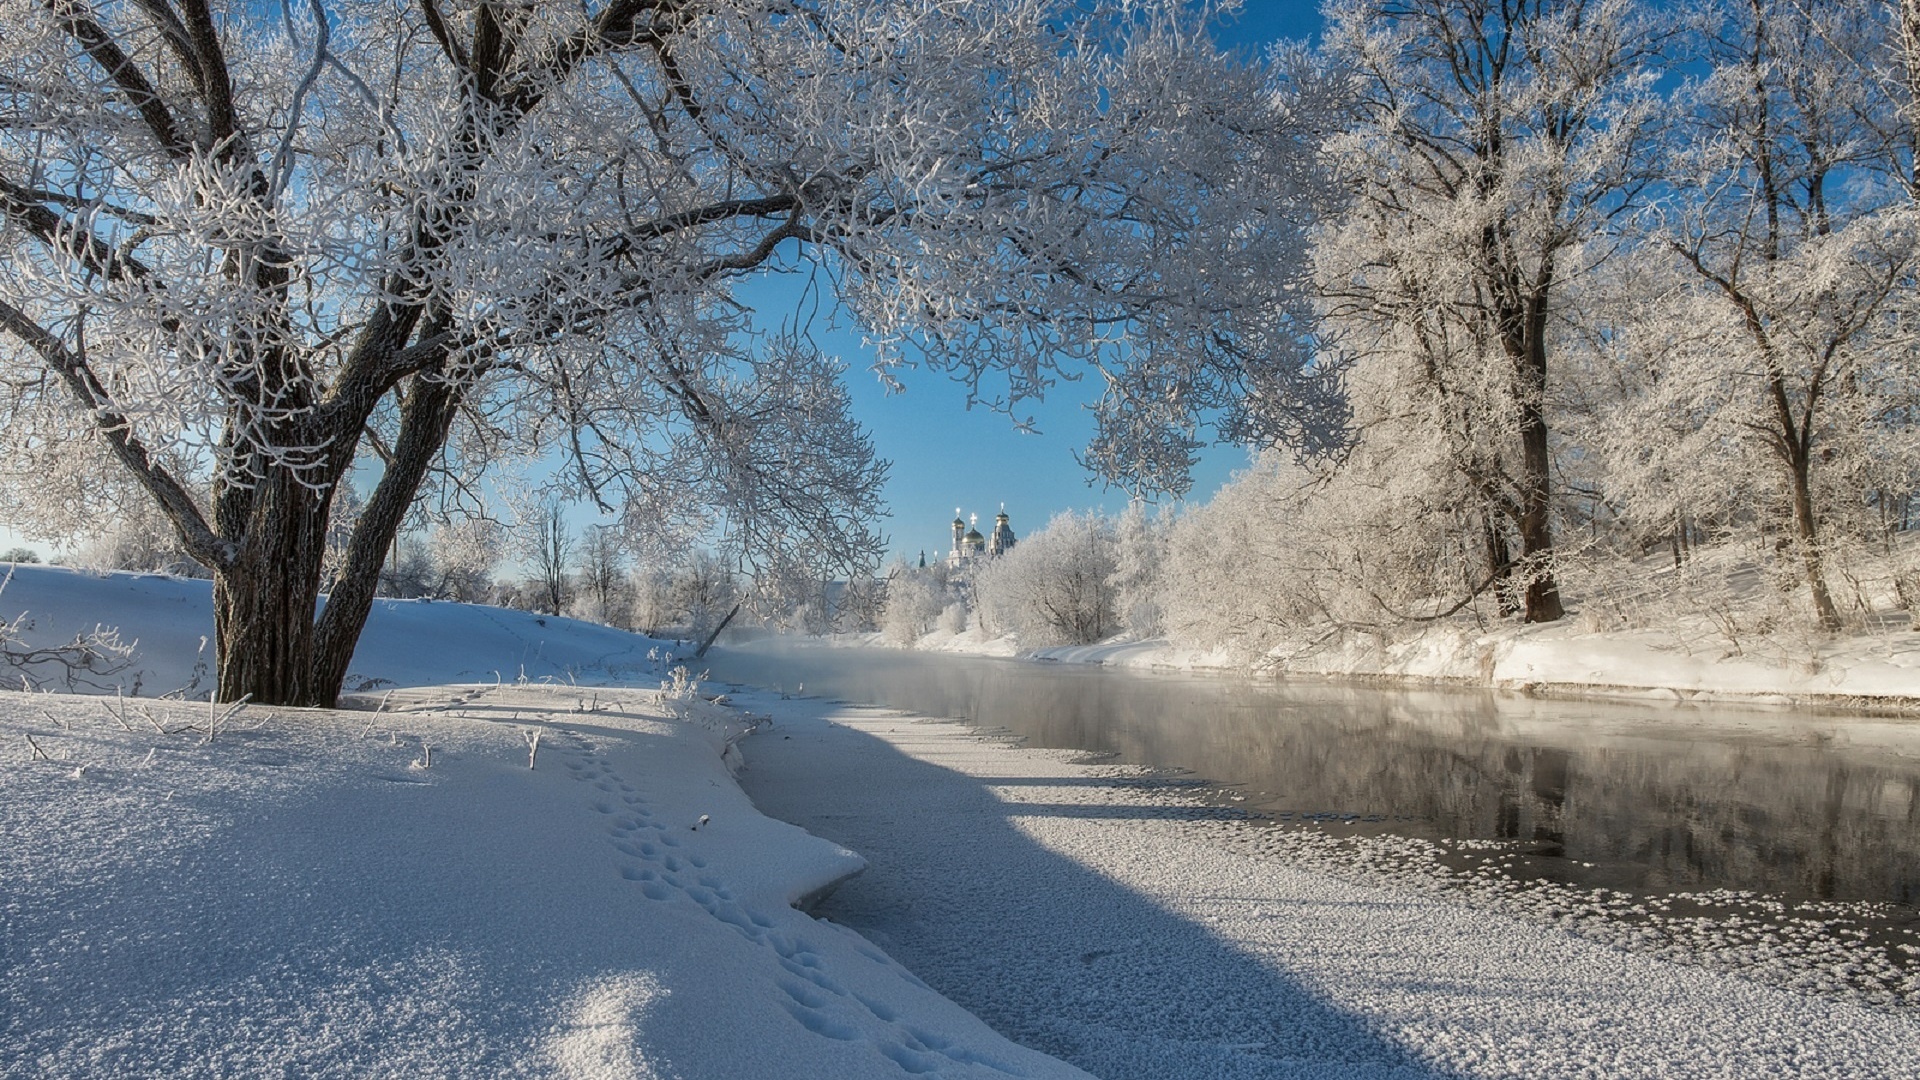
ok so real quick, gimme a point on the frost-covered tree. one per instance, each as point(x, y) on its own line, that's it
point(704, 591)
point(915, 597)
point(408, 573)
point(464, 552)
point(602, 577)
point(650, 592)
point(1140, 546)
point(137, 537)
point(1055, 587)
point(1792, 343)
point(1493, 142)
point(549, 548)
point(247, 247)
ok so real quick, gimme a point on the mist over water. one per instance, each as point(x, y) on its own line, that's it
point(1655, 797)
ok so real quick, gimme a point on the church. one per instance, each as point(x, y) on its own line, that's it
point(969, 545)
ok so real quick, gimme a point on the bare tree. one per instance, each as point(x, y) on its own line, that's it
point(603, 575)
point(248, 246)
point(551, 554)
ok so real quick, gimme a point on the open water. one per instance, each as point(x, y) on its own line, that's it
point(1641, 797)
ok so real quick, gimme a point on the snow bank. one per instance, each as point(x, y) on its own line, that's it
point(396, 893)
point(1868, 670)
point(406, 642)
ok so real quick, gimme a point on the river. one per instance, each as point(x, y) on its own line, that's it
point(1625, 795)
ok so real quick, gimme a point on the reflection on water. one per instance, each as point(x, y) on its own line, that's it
point(1655, 797)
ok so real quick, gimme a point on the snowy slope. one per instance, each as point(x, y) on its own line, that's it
point(406, 642)
point(339, 893)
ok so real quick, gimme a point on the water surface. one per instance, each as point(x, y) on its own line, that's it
point(1644, 797)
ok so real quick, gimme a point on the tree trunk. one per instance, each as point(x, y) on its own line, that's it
point(1536, 530)
point(263, 604)
point(1499, 562)
point(1534, 521)
point(426, 412)
point(1806, 534)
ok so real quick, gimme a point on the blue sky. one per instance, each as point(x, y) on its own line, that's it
point(945, 456)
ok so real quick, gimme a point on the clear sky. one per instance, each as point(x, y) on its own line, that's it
point(945, 456)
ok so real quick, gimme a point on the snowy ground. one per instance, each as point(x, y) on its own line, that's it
point(396, 893)
point(406, 643)
point(315, 893)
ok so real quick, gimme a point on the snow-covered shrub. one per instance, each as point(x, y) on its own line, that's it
point(953, 619)
point(1140, 552)
point(1056, 587)
point(915, 600)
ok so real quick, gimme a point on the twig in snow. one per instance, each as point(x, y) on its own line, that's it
point(214, 722)
point(38, 754)
point(532, 735)
point(118, 710)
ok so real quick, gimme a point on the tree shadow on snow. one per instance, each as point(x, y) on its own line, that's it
point(1050, 952)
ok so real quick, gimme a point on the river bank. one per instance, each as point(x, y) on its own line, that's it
point(1870, 672)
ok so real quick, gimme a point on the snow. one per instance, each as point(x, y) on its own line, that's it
point(1874, 670)
point(395, 892)
point(306, 895)
point(406, 642)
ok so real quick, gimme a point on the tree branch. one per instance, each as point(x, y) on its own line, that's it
point(117, 431)
point(99, 45)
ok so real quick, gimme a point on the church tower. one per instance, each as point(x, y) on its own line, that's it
point(1002, 540)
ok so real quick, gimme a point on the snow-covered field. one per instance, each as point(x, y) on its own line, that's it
point(396, 893)
point(314, 893)
point(406, 643)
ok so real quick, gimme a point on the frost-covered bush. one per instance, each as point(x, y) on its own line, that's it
point(137, 538)
point(915, 600)
point(1056, 587)
point(953, 619)
point(1285, 555)
point(1140, 554)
